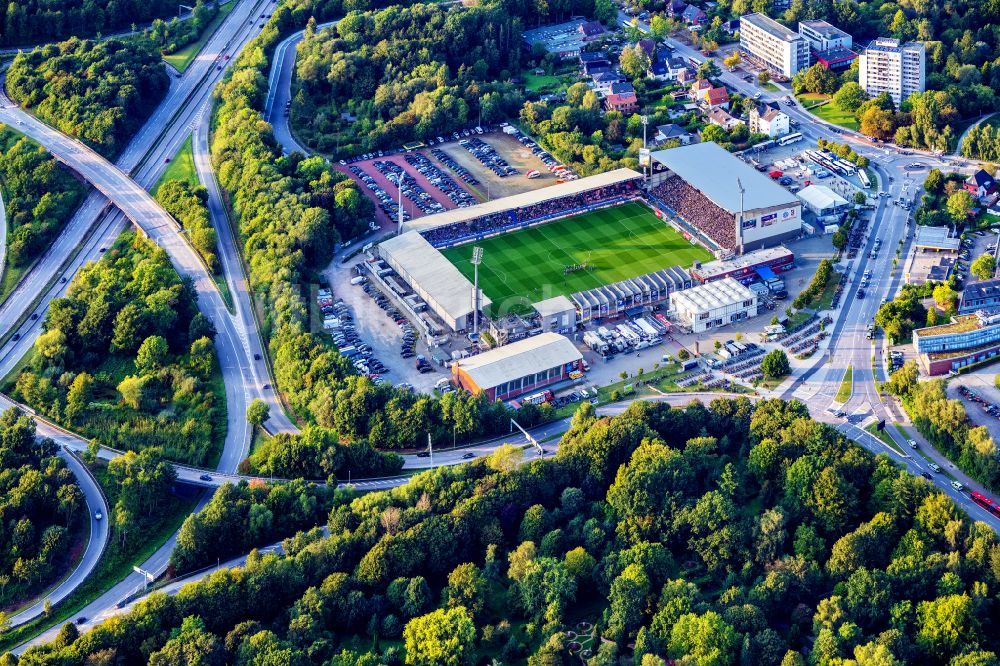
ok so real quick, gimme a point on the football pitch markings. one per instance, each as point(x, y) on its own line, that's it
point(606, 245)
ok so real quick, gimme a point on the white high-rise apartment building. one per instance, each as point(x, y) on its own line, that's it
point(888, 66)
point(769, 43)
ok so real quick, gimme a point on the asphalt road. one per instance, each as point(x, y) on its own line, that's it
point(144, 159)
point(96, 541)
point(234, 337)
point(279, 90)
point(818, 386)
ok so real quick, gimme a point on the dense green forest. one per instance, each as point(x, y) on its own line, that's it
point(243, 517)
point(42, 509)
point(127, 359)
point(405, 73)
point(317, 453)
point(175, 34)
point(756, 536)
point(39, 196)
point(189, 205)
point(99, 92)
point(27, 23)
point(290, 209)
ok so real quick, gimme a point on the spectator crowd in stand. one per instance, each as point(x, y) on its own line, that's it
point(519, 217)
point(697, 210)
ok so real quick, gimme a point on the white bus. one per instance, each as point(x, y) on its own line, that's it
point(790, 138)
point(863, 177)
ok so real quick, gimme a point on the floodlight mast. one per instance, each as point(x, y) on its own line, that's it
point(477, 258)
point(739, 231)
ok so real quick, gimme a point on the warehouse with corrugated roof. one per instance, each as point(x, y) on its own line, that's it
point(435, 279)
point(522, 367)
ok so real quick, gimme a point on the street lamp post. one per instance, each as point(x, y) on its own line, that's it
point(399, 204)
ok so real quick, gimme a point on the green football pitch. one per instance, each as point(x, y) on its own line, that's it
point(612, 243)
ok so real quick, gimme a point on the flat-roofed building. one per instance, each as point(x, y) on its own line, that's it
point(713, 305)
point(822, 201)
point(966, 340)
point(766, 42)
point(823, 36)
point(520, 368)
point(886, 65)
point(745, 268)
point(935, 238)
point(435, 279)
point(557, 313)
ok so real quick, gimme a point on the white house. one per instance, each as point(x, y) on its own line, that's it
point(770, 120)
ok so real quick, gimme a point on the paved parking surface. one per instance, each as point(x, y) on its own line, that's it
point(519, 157)
point(981, 383)
point(378, 330)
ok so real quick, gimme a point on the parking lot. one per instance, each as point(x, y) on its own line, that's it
point(514, 153)
point(377, 329)
point(974, 246)
point(980, 396)
point(460, 170)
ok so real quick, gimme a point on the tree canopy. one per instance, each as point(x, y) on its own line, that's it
point(42, 509)
point(99, 92)
point(756, 535)
point(126, 358)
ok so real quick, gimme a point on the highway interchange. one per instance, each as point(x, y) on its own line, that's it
point(122, 194)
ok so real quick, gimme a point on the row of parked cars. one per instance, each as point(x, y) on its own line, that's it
point(411, 189)
point(545, 156)
point(460, 170)
point(458, 135)
point(990, 408)
point(386, 202)
point(488, 155)
point(383, 153)
point(439, 179)
point(339, 322)
point(407, 348)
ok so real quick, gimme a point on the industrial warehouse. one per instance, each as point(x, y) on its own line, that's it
point(519, 368)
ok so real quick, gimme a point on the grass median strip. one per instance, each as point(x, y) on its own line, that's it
point(182, 58)
point(885, 438)
point(846, 386)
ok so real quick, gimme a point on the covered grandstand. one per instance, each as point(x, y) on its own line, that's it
point(619, 298)
point(463, 225)
point(700, 184)
point(435, 279)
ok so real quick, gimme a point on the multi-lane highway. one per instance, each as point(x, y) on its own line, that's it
point(125, 182)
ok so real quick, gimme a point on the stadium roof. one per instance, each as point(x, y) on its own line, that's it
point(935, 238)
point(524, 357)
point(712, 295)
point(713, 171)
point(524, 199)
point(419, 263)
